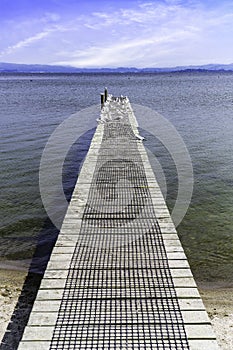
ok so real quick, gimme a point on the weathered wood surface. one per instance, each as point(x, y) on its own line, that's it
point(40, 329)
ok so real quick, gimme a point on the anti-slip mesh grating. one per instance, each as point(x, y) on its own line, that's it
point(119, 293)
point(118, 129)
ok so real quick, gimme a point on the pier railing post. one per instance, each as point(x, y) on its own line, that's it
point(102, 98)
point(105, 94)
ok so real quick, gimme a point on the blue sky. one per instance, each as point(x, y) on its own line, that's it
point(116, 33)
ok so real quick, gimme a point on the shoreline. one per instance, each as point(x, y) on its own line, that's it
point(217, 298)
point(219, 305)
point(11, 284)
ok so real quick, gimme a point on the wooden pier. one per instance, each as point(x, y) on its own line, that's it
point(118, 277)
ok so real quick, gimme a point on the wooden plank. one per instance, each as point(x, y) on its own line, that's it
point(194, 345)
point(46, 305)
point(191, 304)
point(184, 282)
point(169, 236)
point(48, 294)
point(203, 344)
point(55, 274)
point(195, 317)
point(176, 256)
point(53, 283)
point(187, 292)
point(199, 331)
point(61, 257)
point(39, 319)
point(181, 273)
point(58, 265)
point(63, 249)
point(34, 345)
point(57, 281)
point(66, 240)
point(178, 264)
point(38, 333)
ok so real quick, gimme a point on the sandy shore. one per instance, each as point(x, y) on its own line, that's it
point(218, 302)
point(11, 283)
point(219, 305)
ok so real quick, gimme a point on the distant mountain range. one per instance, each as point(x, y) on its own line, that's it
point(38, 68)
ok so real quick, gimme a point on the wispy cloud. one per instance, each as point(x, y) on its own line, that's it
point(123, 51)
point(143, 33)
point(23, 43)
point(138, 37)
point(49, 24)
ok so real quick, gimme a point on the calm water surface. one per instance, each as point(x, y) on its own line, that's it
point(199, 105)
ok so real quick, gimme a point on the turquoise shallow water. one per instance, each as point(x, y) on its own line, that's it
point(199, 105)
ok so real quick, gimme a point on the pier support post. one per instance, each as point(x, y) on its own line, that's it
point(105, 94)
point(102, 98)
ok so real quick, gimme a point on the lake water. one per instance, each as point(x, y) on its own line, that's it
point(199, 105)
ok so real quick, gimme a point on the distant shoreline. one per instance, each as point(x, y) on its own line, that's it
point(193, 71)
point(40, 68)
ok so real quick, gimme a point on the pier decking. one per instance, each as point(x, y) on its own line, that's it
point(118, 277)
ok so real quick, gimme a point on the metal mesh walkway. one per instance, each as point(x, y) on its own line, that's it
point(118, 277)
point(119, 293)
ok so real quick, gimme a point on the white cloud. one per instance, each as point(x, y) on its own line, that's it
point(124, 51)
point(23, 43)
point(156, 30)
point(37, 37)
point(140, 34)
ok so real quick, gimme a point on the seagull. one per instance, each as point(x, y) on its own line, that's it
point(141, 138)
